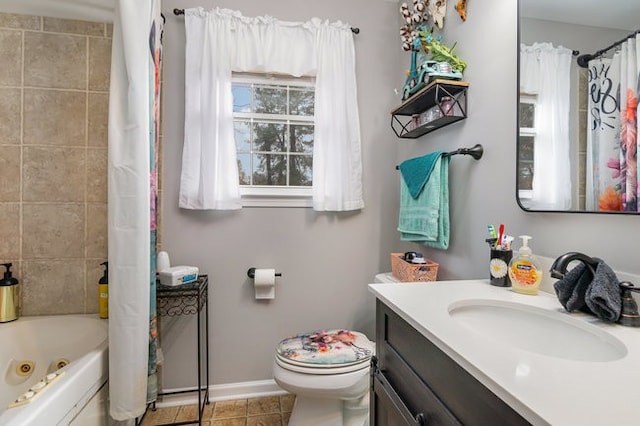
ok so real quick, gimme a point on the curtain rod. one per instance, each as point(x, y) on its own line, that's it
point(583, 60)
point(475, 151)
point(177, 12)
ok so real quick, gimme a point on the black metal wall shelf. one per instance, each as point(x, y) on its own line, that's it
point(445, 99)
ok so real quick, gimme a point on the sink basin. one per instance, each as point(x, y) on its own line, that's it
point(537, 330)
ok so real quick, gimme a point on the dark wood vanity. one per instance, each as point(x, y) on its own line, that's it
point(414, 383)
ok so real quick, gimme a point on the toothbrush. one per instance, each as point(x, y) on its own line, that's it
point(492, 231)
point(501, 230)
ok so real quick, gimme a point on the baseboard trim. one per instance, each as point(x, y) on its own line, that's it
point(224, 392)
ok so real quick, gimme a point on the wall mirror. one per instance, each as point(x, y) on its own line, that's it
point(577, 106)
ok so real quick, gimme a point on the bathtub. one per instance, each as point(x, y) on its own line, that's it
point(73, 348)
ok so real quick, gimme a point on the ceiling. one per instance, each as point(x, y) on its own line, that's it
point(618, 14)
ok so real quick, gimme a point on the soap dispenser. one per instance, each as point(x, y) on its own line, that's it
point(103, 292)
point(8, 296)
point(524, 270)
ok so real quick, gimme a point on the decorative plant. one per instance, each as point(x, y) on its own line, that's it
point(439, 52)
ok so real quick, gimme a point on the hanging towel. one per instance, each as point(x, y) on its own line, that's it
point(603, 295)
point(597, 293)
point(571, 289)
point(416, 171)
point(425, 217)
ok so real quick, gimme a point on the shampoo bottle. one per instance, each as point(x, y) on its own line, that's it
point(524, 270)
point(103, 292)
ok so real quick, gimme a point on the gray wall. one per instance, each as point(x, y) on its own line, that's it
point(327, 259)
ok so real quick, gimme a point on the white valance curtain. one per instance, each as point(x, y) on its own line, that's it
point(545, 72)
point(221, 41)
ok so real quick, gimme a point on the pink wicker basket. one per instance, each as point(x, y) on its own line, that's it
point(410, 272)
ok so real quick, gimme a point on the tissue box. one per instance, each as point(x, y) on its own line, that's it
point(177, 275)
point(413, 272)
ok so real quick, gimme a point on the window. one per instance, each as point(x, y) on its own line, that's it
point(273, 121)
point(526, 144)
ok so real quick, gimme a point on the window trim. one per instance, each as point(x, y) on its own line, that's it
point(528, 98)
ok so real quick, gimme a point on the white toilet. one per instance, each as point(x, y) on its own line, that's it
point(328, 371)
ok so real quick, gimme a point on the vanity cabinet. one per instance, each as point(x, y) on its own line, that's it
point(440, 103)
point(414, 383)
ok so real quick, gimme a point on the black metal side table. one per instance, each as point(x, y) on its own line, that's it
point(190, 299)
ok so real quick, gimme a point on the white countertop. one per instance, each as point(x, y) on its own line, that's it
point(543, 389)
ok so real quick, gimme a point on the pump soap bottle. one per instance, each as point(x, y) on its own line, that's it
point(8, 296)
point(524, 270)
point(103, 292)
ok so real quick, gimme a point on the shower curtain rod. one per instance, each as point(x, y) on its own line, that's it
point(583, 60)
point(177, 12)
point(475, 151)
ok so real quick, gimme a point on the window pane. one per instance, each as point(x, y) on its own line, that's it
point(242, 135)
point(269, 169)
point(244, 168)
point(525, 152)
point(270, 100)
point(525, 162)
point(301, 102)
point(301, 138)
point(241, 97)
point(269, 137)
point(527, 114)
point(301, 174)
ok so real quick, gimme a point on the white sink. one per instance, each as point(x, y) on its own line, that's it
point(550, 333)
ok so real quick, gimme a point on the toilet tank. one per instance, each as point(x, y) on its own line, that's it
point(385, 277)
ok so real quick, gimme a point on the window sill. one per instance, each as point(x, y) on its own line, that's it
point(276, 197)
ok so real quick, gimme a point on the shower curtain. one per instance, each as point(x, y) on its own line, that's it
point(612, 142)
point(132, 190)
point(133, 138)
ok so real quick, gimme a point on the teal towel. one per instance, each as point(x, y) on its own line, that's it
point(416, 171)
point(425, 219)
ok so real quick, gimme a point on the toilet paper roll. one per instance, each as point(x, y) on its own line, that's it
point(264, 283)
point(162, 262)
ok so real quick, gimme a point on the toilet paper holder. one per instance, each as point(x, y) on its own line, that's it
point(251, 273)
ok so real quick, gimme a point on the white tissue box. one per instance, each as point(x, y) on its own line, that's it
point(177, 275)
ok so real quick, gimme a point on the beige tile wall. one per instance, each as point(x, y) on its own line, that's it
point(54, 82)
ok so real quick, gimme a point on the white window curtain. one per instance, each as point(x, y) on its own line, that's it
point(545, 72)
point(221, 41)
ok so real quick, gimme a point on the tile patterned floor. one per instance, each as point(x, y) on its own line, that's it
point(265, 411)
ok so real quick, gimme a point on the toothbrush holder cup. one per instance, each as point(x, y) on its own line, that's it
point(499, 267)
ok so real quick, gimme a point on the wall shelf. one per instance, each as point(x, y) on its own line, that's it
point(440, 103)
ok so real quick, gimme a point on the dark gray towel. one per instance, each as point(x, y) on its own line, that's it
point(603, 295)
point(571, 289)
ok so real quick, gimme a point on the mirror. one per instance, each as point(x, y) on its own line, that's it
point(569, 156)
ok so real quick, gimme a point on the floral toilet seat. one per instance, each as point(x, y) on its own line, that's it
point(326, 348)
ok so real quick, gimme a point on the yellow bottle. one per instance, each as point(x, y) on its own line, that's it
point(524, 270)
point(103, 292)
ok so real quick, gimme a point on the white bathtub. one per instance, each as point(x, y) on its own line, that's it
point(44, 341)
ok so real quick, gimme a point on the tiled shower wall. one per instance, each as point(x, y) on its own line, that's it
point(54, 82)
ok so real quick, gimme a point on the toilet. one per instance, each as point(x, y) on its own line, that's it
point(328, 371)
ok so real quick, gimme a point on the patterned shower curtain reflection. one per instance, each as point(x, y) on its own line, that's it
point(155, 50)
point(612, 171)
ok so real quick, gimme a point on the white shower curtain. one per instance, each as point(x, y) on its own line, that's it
point(545, 72)
point(209, 177)
point(131, 183)
point(612, 140)
point(129, 186)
